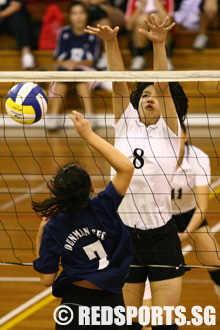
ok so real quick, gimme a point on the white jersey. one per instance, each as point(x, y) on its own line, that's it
point(193, 172)
point(154, 151)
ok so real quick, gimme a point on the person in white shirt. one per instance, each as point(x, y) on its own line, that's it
point(190, 196)
point(147, 131)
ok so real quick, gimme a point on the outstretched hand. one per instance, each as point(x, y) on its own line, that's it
point(157, 33)
point(82, 125)
point(104, 32)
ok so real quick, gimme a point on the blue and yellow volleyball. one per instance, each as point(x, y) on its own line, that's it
point(26, 103)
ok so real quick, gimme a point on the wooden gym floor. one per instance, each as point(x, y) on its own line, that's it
point(28, 159)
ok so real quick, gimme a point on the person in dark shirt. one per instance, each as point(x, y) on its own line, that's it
point(105, 12)
point(87, 234)
point(15, 19)
point(75, 51)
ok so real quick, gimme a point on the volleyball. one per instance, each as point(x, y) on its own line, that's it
point(26, 103)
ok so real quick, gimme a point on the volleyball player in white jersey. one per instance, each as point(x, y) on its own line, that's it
point(190, 197)
point(147, 131)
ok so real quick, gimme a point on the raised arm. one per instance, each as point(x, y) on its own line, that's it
point(157, 34)
point(120, 94)
point(123, 167)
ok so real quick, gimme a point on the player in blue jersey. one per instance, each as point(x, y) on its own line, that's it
point(86, 233)
point(75, 51)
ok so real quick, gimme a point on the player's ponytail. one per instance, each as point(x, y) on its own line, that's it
point(70, 189)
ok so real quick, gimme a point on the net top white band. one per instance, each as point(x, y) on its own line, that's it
point(127, 76)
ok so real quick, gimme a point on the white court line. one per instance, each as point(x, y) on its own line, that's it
point(188, 248)
point(19, 177)
point(19, 279)
point(26, 196)
point(19, 191)
point(38, 188)
point(193, 120)
point(38, 177)
point(192, 281)
point(24, 190)
point(26, 305)
point(46, 292)
point(215, 184)
point(22, 197)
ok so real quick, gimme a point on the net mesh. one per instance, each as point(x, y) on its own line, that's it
point(31, 154)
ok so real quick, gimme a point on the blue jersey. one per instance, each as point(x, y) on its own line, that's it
point(76, 47)
point(93, 245)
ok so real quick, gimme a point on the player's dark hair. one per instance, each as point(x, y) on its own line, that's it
point(70, 189)
point(179, 97)
point(77, 3)
point(184, 128)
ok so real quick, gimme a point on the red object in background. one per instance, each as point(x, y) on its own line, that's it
point(30, 1)
point(53, 21)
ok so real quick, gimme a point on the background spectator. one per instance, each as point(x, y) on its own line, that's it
point(187, 13)
point(53, 21)
point(104, 12)
point(209, 17)
point(135, 14)
point(15, 19)
point(76, 51)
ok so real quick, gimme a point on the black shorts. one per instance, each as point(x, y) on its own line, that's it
point(159, 246)
point(182, 220)
point(76, 296)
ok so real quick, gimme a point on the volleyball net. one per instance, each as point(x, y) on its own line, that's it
point(31, 154)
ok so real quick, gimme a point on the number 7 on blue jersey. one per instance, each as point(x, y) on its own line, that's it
point(98, 248)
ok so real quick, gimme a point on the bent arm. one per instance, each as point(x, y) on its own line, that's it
point(13, 7)
point(202, 198)
point(46, 279)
